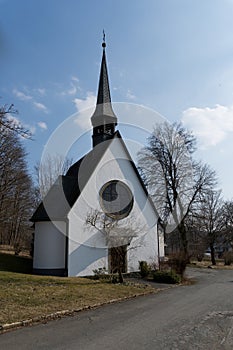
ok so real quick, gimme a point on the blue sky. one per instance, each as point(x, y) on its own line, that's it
point(174, 56)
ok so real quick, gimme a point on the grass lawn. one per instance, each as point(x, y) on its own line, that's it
point(13, 263)
point(24, 296)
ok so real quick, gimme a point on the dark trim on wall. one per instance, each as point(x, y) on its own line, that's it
point(51, 272)
point(67, 246)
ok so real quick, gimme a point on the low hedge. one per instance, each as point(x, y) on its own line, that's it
point(166, 277)
point(144, 269)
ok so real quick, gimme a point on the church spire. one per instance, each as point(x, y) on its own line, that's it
point(103, 119)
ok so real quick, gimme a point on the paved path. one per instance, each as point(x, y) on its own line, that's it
point(198, 316)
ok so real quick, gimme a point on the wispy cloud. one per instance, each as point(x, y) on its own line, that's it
point(75, 79)
point(21, 95)
point(73, 87)
point(25, 97)
point(130, 95)
point(16, 121)
point(72, 90)
point(40, 106)
point(85, 104)
point(41, 91)
point(42, 125)
point(210, 125)
point(32, 129)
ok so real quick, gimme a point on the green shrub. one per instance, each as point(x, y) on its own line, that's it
point(166, 277)
point(228, 258)
point(200, 257)
point(144, 269)
point(99, 273)
point(102, 275)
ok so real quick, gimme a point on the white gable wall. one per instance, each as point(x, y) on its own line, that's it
point(87, 246)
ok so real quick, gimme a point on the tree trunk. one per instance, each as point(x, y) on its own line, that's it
point(121, 279)
point(183, 236)
point(212, 253)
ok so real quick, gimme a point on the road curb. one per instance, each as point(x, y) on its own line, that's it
point(63, 313)
point(59, 314)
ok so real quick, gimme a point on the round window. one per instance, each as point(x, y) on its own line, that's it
point(116, 199)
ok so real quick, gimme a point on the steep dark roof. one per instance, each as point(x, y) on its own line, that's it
point(103, 112)
point(103, 90)
point(66, 190)
point(58, 201)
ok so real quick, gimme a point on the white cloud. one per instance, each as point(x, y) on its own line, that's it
point(18, 123)
point(41, 91)
point(130, 95)
point(40, 106)
point(88, 102)
point(25, 97)
point(21, 95)
point(32, 129)
point(81, 105)
point(71, 91)
point(75, 79)
point(42, 125)
point(210, 125)
point(73, 87)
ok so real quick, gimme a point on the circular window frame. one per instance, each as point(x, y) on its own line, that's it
point(126, 211)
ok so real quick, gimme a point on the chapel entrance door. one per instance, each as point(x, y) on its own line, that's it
point(118, 259)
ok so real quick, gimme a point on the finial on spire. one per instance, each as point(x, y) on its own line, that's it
point(103, 43)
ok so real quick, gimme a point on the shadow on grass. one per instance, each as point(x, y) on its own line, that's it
point(13, 263)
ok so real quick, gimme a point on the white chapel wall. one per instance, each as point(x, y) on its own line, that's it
point(87, 246)
point(49, 245)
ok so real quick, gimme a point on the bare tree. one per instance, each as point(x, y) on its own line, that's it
point(16, 201)
point(8, 122)
point(227, 232)
point(210, 219)
point(48, 171)
point(197, 242)
point(174, 180)
point(118, 234)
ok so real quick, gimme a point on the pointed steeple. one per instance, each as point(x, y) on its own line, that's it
point(103, 119)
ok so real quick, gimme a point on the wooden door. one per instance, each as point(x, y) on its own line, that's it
point(118, 259)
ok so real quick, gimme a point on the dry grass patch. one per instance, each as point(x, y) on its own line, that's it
point(26, 296)
point(206, 263)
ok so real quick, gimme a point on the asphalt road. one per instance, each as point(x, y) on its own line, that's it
point(198, 316)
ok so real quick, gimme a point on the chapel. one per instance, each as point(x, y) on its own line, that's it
point(99, 214)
